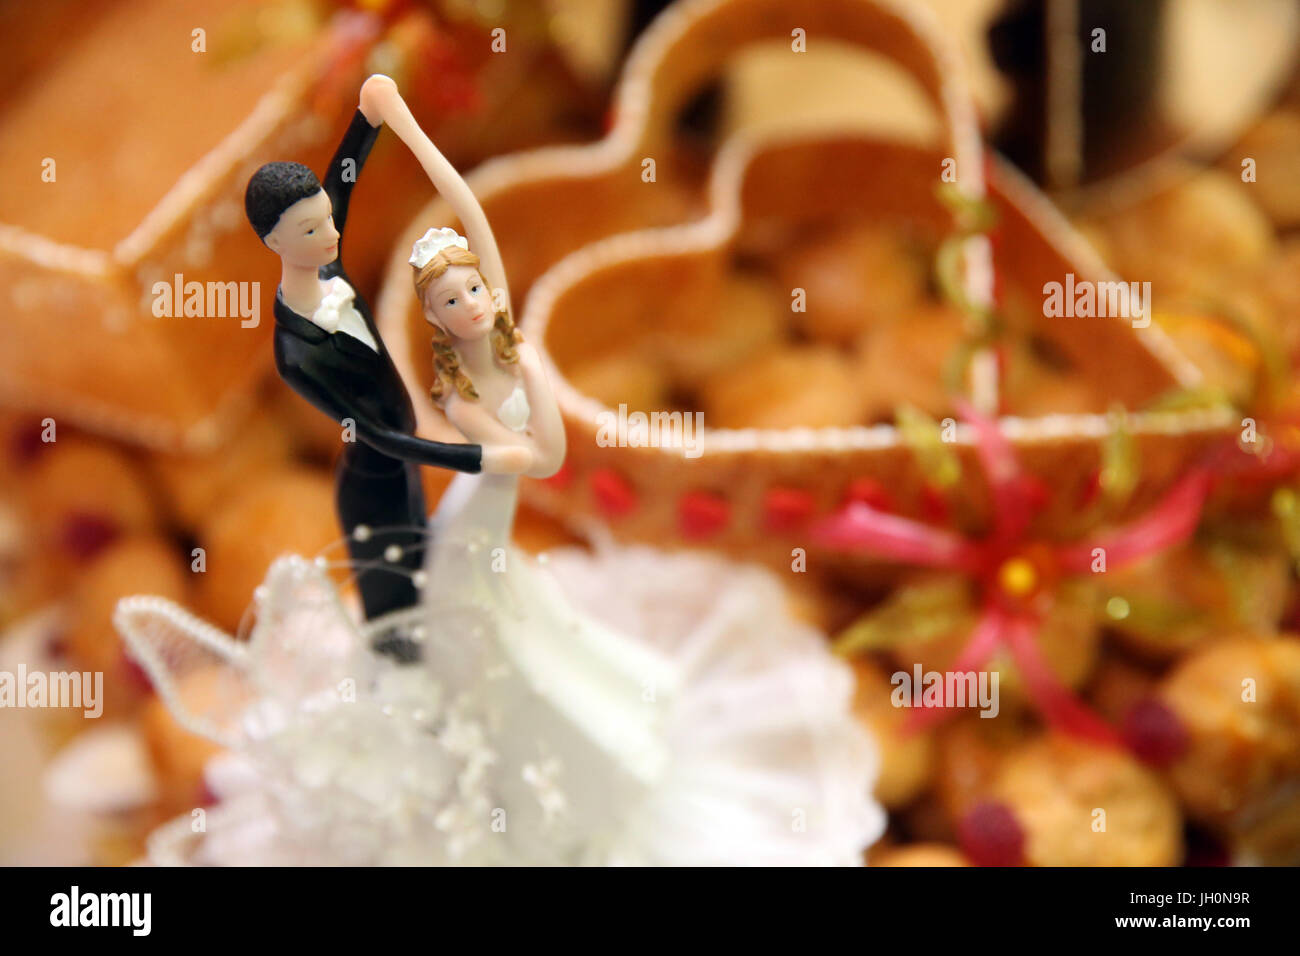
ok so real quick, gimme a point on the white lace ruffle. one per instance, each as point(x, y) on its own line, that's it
point(487, 755)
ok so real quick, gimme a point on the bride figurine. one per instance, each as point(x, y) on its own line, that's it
point(619, 707)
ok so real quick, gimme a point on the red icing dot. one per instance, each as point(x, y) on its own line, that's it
point(84, 535)
point(614, 495)
point(785, 509)
point(701, 514)
point(990, 835)
point(1154, 733)
point(561, 479)
point(871, 493)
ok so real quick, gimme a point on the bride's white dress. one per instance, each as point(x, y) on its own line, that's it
point(623, 707)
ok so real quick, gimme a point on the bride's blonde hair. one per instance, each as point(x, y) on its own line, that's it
point(446, 363)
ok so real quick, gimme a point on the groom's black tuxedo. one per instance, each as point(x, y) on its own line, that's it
point(378, 482)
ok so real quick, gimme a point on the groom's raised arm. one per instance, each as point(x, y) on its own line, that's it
point(345, 168)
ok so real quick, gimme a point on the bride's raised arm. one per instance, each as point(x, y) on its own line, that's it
point(379, 94)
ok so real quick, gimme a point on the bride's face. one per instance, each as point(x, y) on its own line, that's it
point(459, 301)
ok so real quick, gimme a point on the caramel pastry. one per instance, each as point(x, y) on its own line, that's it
point(1196, 593)
point(88, 269)
point(77, 498)
point(1230, 360)
point(1040, 393)
point(632, 380)
point(782, 186)
point(288, 511)
point(919, 854)
point(1274, 144)
point(1085, 805)
point(1117, 686)
point(819, 602)
point(854, 279)
point(1276, 282)
point(903, 360)
point(906, 760)
point(748, 314)
point(135, 564)
point(196, 485)
point(1239, 704)
point(1184, 238)
point(1038, 381)
point(809, 386)
point(969, 754)
point(180, 756)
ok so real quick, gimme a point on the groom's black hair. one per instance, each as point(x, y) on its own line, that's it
point(273, 189)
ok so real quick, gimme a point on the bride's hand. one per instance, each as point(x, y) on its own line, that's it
point(376, 94)
point(506, 459)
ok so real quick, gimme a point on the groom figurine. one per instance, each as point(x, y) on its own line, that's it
point(328, 349)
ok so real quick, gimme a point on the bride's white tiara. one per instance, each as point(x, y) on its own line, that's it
point(432, 243)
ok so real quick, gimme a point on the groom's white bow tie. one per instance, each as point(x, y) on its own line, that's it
point(337, 314)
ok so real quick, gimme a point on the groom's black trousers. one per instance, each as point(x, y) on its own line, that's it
point(385, 495)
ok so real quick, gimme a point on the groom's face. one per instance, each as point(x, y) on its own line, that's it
point(305, 235)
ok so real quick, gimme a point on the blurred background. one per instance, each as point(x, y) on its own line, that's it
point(1157, 140)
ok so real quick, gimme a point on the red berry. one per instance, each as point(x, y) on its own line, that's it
point(1154, 733)
point(990, 835)
point(85, 535)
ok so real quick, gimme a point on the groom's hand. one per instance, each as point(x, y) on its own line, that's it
point(376, 93)
point(506, 459)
